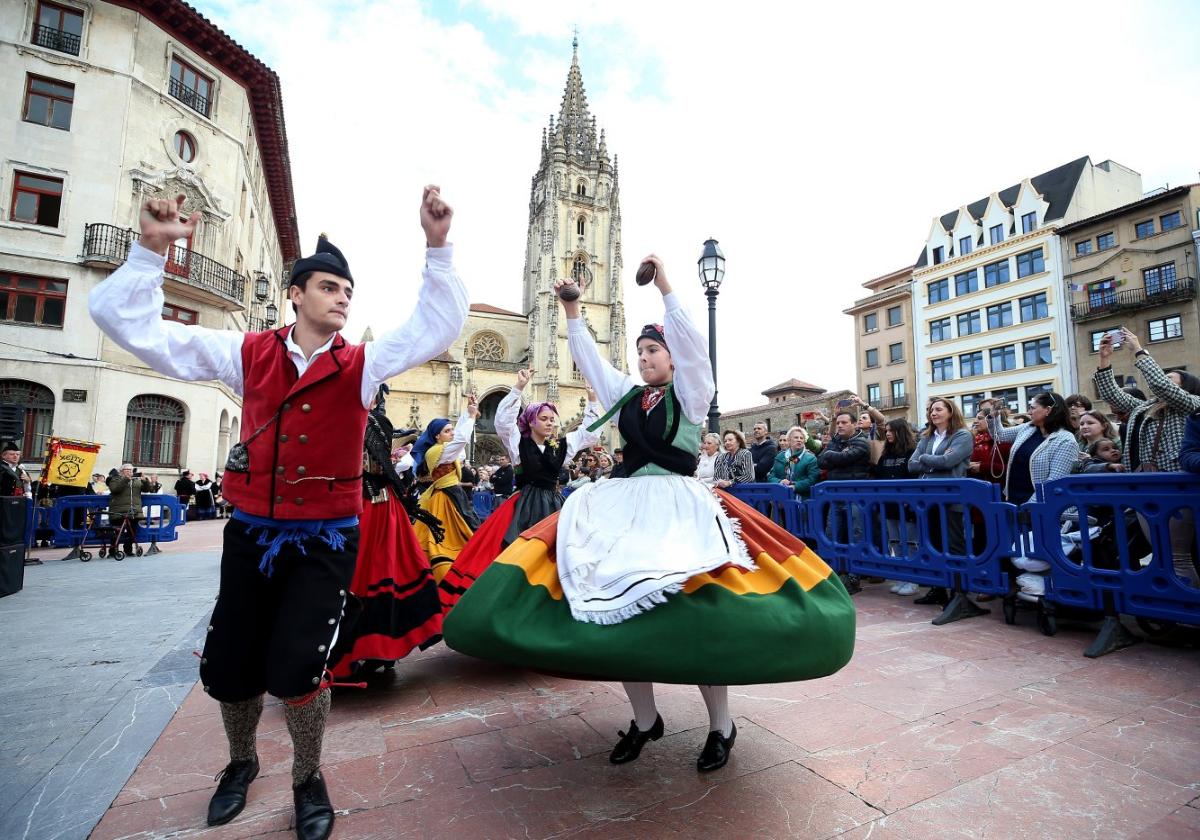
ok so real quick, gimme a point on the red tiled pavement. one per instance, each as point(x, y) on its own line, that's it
point(970, 730)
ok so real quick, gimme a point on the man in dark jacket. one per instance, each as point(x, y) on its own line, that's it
point(763, 451)
point(125, 504)
point(185, 488)
point(503, 478)
point(847, 457)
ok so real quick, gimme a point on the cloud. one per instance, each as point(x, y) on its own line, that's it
point(815, 142)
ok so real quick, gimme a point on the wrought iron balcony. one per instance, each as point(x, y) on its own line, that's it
point(56, 39)
point(188, 96)
point(885, 403)
point(1101, 305)
point(108, 245)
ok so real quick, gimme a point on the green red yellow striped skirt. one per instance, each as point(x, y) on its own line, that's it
point(790, 619)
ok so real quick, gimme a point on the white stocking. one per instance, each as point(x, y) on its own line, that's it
point(716, 697)
point(641, 697)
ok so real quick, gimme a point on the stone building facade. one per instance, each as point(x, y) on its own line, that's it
point(990, 312)
point(1135, 267)
point(883, 344)
point(790, 403)
point(574, 230)
point(104, 105)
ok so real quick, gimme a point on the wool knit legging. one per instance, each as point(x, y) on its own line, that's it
point(305, 723)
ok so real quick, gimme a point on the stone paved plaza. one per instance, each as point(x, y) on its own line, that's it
point(971, 730)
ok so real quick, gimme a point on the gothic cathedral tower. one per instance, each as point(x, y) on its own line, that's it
point(574, 231)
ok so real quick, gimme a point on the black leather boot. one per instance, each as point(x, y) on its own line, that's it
point(630, 745)
point(314, 811)
point(232, 784)
point(935, 595)
point(716, 750)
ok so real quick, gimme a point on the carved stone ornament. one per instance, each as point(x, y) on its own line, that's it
point(179, 181)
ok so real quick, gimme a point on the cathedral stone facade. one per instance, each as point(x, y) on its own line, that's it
point(574, 231)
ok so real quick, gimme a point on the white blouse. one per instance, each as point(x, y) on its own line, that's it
point(506, 427)
point(704, 469)
point(693, 379)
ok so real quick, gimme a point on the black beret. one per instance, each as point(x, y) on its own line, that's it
point(327, 258)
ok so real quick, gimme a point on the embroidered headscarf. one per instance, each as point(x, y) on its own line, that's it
point(525, 419)
point(654, 332)
point(428, 439)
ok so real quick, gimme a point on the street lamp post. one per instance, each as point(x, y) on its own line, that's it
point(712, 271)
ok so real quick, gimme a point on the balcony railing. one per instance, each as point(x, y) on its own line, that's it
point(884, 403)
point(1100, 306)
point(56, 39)
point(188, 96)
point(109, 245)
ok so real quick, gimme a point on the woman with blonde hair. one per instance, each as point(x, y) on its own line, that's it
point(706, 466)
point(795, 466)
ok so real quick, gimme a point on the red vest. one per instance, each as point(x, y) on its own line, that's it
point(307, 462)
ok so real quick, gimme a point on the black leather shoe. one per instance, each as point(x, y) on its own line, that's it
point(716, 751)
point(852, 583)
point(314, 812)
point(935, 595)
point(630, 745)
point(232, 784)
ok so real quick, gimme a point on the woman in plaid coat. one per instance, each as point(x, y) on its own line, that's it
point(1155, 431)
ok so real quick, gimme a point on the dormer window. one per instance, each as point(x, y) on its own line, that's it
point(939, 255)
point(996, 234)
point(1029, 223)
point(964, 246)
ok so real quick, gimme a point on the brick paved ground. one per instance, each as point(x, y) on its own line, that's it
point(971, 730)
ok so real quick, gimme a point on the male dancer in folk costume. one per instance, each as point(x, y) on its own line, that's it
point(295, 479)
point(649, 578)
point(537, 453)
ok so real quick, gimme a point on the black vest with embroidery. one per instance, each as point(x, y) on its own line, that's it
point(648, 438)
point(538, 468)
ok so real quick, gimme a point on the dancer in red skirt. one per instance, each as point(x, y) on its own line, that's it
point(397, 597)
point(537, 454)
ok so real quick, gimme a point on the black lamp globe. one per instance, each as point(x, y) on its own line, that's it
point(711, 265)
point(261, 286)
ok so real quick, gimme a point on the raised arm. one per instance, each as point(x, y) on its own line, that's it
point(581, 438)
point(1162, 387)
point(610, 383)
point(440, 312)
point(1003, 434)
point(506, 418)
point(463, 430)
point(128, 308)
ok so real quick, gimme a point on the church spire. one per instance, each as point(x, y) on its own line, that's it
point(575, 123)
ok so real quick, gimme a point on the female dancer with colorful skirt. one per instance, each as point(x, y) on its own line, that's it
point(537, 456)
point(438, 455)
point(650, 578)
point(395, 605)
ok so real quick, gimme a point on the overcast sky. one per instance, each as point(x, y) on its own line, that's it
point(815, 142)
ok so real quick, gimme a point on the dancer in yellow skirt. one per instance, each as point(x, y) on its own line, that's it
point(438, 454)
point(654, 577)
